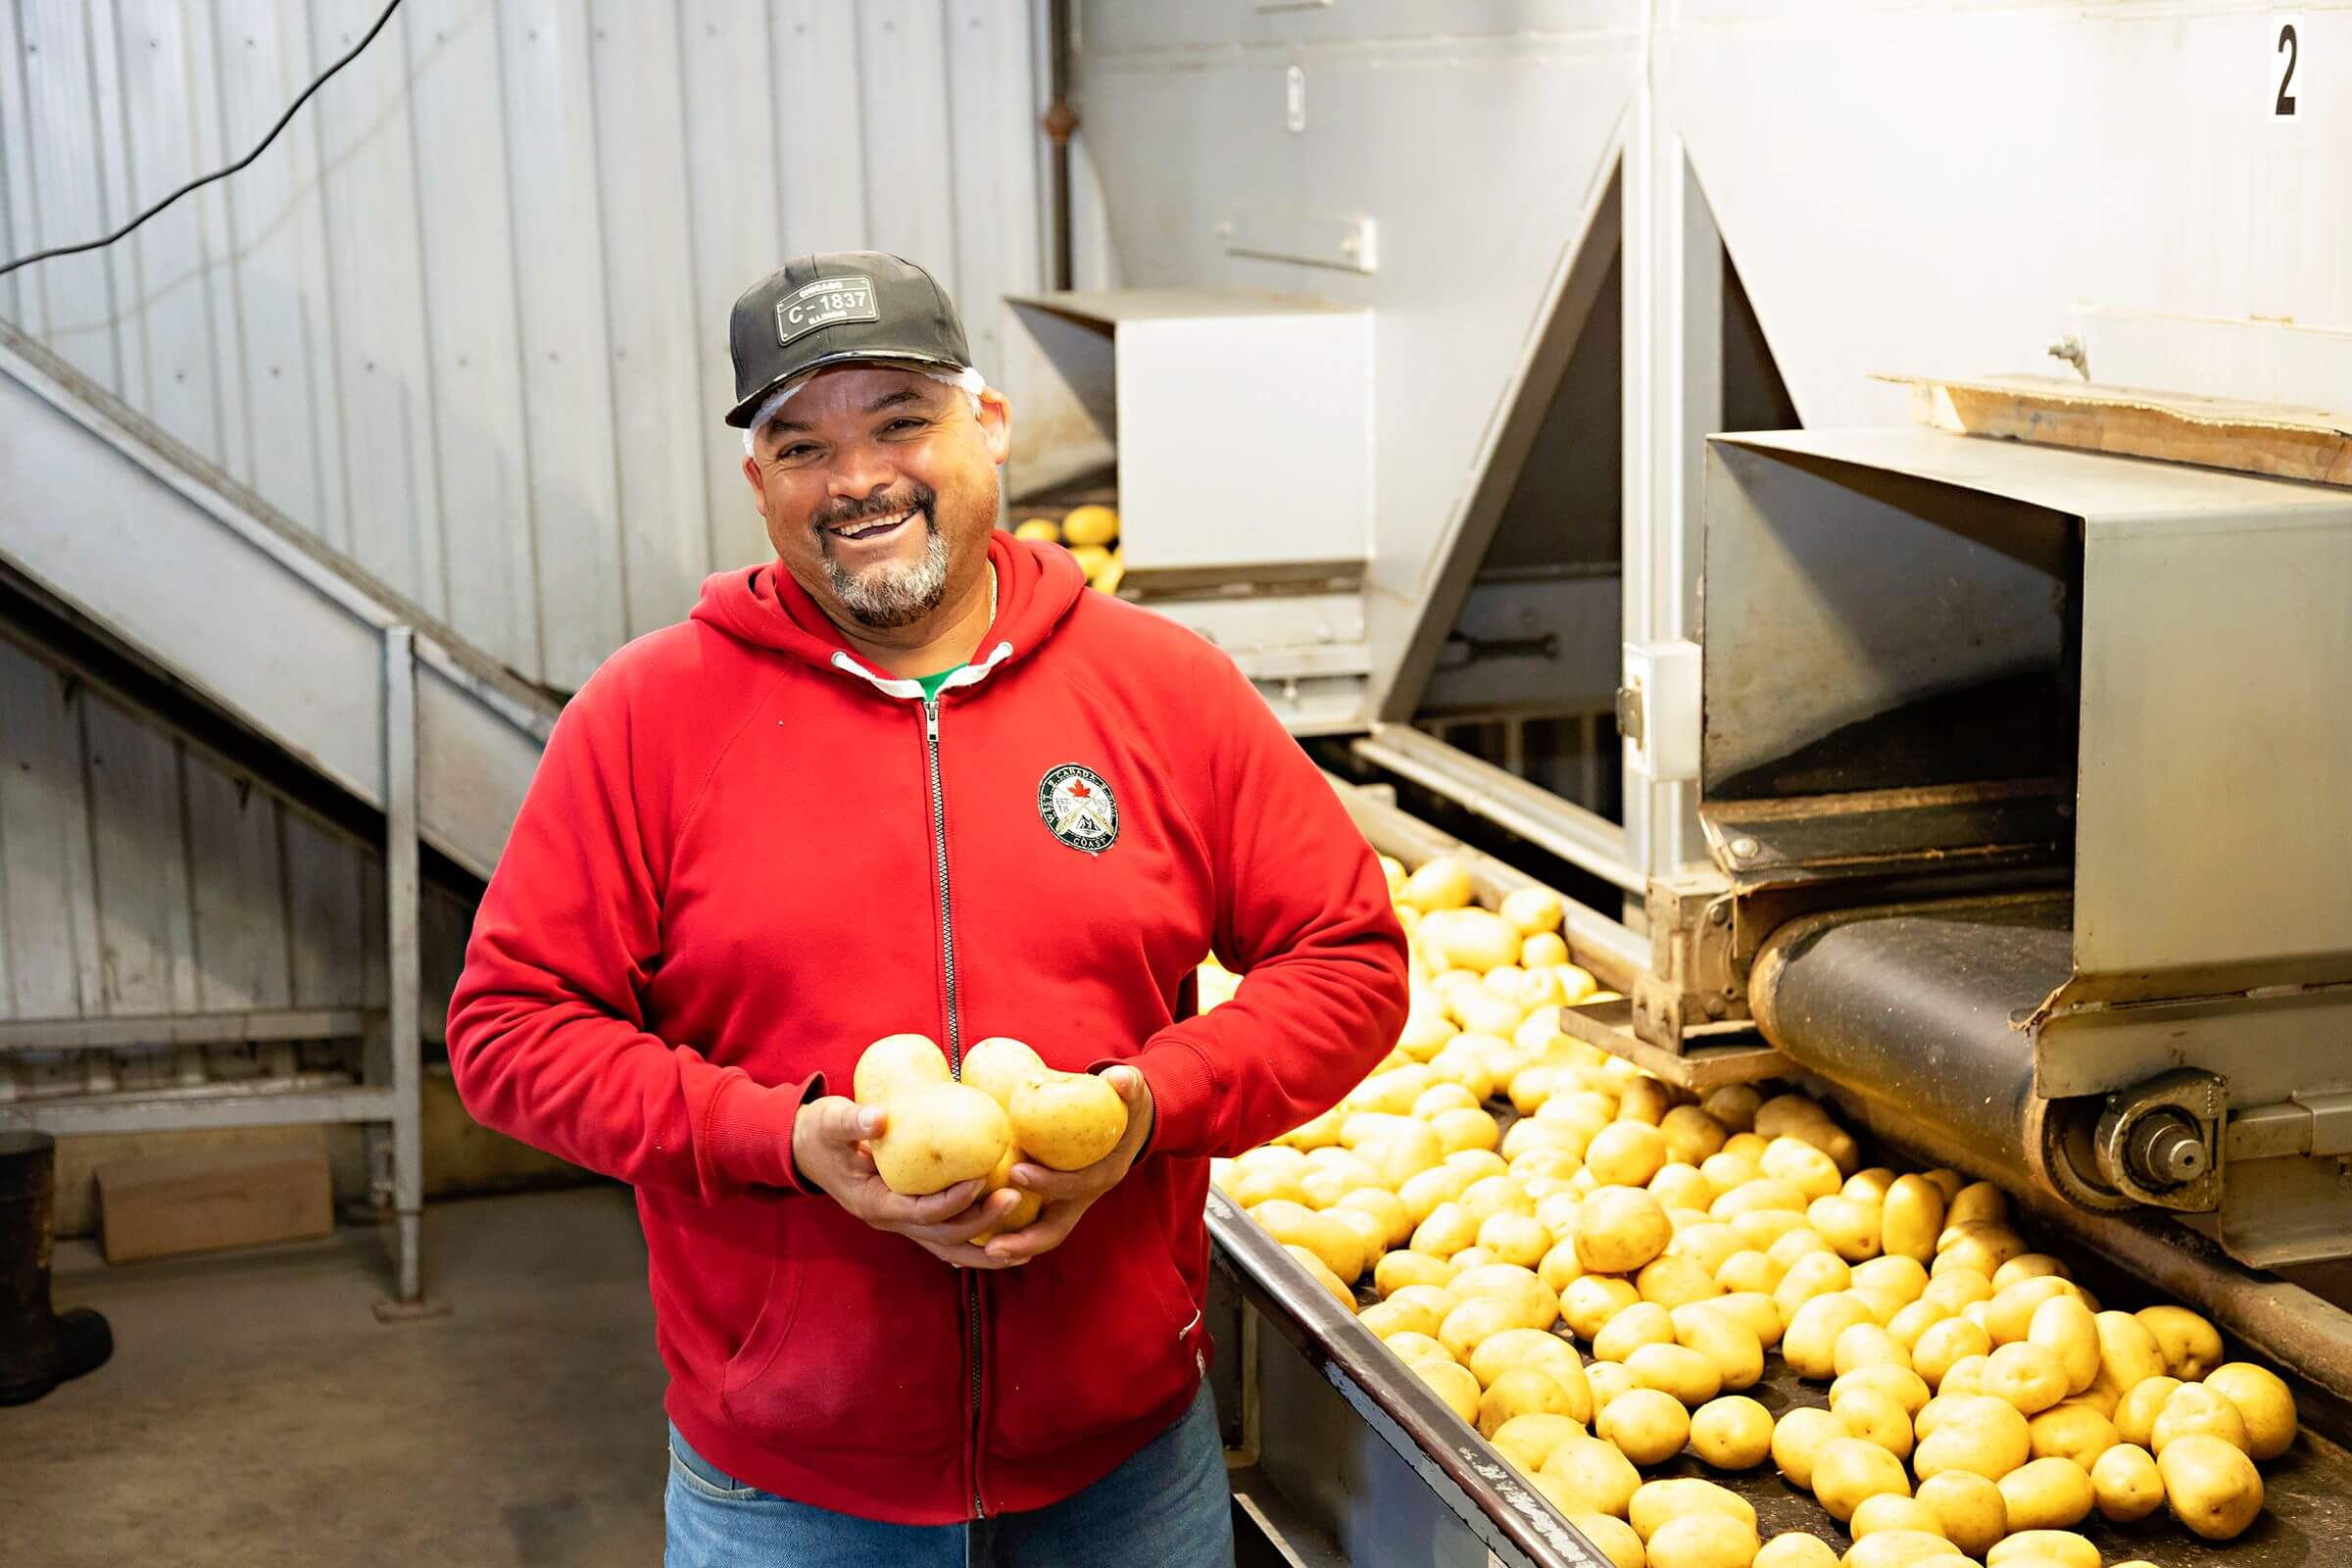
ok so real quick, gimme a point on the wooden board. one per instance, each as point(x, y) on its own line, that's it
point(2266, 438)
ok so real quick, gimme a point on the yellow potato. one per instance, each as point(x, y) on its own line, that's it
point(1913, 1321)
point(1396, 1225)
point(2136, 1413)
point(1956, 1289)
point(1448, 1229)
point(1810, 1274)
point(1732, 1433)
point(1796, 1550)
point(1532, 1306)
point(2066, 1326)
point(1026, 1206)
point(1982, 1249)
point(2030, 1548)
point(2010, 1317)
point(1424, 1192)
point(1728, 1345)
point(1404, 1267)
point(1848, 1225)
point(1067, 1120)
point(1980, 1434)
point(1558, 1268)
point(1886, 1511)
point(1547, 951)
point(2046, 1494)
point(1595, 1472)
point(1470, 1324)
point(1409, 1348)
point(1642, 1098)
point(1649, 1427)
point(1644, 1323)
point(1626, 1154)
point(1090, 525)
point(2126, 1484)
point(1798, 1438)
point(2264, 1402)
point(2071, 1431)
point(895, 1062)
point(1754, 1310)
point(1969, 1509)
point(1591, 1303)
point(1978, 1202)
point(1515, 1238)
point(1321, 1275)
point(1874, 1417)
point(1806, 1168)
point(1691, 1133)
point(939, 1134)
point(1455, 1385)
point(1657, 1501)
point(2212, 1486)
point(1673, 1282)
point(1521, 1391)
point(1765, 1192)
point(999, 1065)
point(1904, 1277)
point(1675, 1370)
point(1849, 1470)
point(1679, 1186)
point(1614, 1537)
point(1460, 1127)
point(1050, 531)
point(1903, 1386)
point(1341, 1249)
point(1900, 1548)
point(1703, 1541)
point(2191, 1346)
point(2028, 1376)
point(1620, 1229)
point(1527, 1440)
point(1809, 1345)
point(1911, 1218)
point(1392, 1317)
point(1372, 1232)
point(1866, 1345)
point(1965, 1376)
point(1443, 883)
point(1548, 1353)
point(2196, 1408)
point(1726, 1170)
point(2127, 1350)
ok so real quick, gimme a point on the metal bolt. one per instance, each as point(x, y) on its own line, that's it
point(1742, 848)
point(2165, 1151)
point(1717, 914)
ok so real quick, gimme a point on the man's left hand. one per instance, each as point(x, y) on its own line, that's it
point(1069, 1193)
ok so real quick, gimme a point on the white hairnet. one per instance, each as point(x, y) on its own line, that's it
point(967, 381)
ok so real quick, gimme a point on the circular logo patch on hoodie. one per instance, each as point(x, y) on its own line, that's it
point(1078, 808)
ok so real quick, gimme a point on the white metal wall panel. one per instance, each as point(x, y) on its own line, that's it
point(141, 875)
point(465, 319)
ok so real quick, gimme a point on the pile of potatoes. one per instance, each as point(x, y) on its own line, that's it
point(1091, 534)
point(1981, 1403)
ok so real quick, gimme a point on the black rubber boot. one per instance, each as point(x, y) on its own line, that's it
point(39, 1347)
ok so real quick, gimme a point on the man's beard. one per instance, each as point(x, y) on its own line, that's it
point(889, 594)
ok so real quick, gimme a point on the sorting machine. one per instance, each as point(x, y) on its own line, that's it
point(2022, 782)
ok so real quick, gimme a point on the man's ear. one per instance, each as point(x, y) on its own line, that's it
point(996, 423)
point(750, 475)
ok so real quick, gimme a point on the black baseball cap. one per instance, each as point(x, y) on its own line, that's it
point(833, 308)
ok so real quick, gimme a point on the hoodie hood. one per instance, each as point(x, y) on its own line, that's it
point(1037, 585)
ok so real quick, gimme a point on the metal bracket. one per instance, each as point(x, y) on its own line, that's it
point(2159, 1142)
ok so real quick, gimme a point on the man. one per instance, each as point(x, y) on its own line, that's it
point(910, 776)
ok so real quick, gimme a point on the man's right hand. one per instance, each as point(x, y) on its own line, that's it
point(828, 1148)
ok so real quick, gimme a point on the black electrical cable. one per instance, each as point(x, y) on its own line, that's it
point(202, 180)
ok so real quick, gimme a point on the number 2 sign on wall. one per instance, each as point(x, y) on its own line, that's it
point(2290, 51)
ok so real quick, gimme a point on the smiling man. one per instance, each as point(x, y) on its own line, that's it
point(911, 776)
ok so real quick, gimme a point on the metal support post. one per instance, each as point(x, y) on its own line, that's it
point(401, 892)
point(1673, 401)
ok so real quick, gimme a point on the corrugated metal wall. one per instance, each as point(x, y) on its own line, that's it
point(139, 874)
point(465, 319)
point(466, 322)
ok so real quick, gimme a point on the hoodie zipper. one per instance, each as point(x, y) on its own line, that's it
point(947, 935)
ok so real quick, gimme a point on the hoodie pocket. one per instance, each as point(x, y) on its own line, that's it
point(1097, 1335)
point(857, 1349)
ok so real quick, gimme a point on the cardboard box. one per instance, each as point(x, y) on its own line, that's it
point(220, 1198)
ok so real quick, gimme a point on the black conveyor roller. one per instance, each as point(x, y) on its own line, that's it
point(1916, 1008)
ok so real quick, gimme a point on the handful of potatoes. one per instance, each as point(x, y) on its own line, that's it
point(1983, 1406)
point(1009, 1107)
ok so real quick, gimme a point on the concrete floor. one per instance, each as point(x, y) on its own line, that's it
point(255, 1414)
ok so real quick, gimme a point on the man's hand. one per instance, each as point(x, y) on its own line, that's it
point(1069, 1193)
point(828, 1148)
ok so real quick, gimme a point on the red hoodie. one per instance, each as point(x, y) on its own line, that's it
point(746, 856)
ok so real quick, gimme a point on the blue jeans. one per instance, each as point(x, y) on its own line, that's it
point(1167, 1507)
